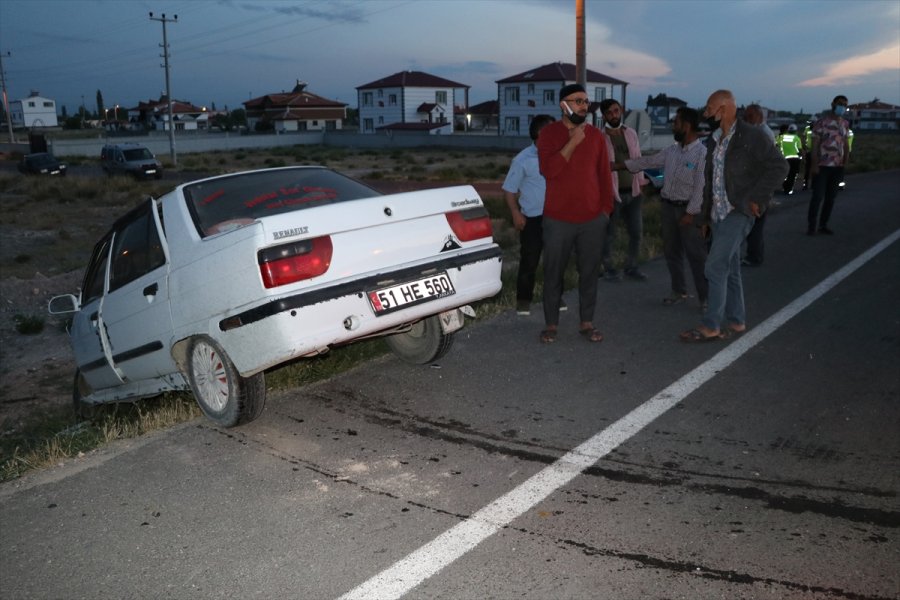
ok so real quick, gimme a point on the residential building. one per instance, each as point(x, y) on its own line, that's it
point(479, 117)
point(662, 109)
point(874, 116)
point(297, 110)
point(410, 101)
point(154, 114)
point(526, 95)
point(33, 111)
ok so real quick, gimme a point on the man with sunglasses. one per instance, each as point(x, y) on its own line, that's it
point(575, 163)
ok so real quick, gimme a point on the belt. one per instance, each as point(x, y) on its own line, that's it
point(675, 202)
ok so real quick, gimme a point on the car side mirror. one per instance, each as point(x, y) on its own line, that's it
point(63, 305)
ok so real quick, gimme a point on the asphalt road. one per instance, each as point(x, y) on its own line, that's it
point(764, 467)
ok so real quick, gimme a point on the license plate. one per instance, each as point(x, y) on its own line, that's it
point(422, 290)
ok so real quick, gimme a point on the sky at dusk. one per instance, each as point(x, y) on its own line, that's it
point(784, 54)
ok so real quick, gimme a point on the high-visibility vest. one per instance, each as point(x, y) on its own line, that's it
point(849, 139)
point(789, 144)
point(808, 137)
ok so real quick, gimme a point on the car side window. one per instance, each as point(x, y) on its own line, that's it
point(137, 249)
point(95, 275)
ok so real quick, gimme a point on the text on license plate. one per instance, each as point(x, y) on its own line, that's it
point(411, 293)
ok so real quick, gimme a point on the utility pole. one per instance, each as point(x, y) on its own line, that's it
point(165, 55)
point(580, 52)
point(12, 136)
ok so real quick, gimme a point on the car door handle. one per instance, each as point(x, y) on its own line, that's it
point(151, 290)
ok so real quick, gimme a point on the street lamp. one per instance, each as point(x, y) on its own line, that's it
point(116, 113)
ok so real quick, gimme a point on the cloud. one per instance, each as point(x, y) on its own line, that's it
point(850, 70)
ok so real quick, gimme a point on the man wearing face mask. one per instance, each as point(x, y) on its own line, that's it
point(743, 168)
point(682, 198)
point(829, 155)
point(577, 203)
point(621, 144)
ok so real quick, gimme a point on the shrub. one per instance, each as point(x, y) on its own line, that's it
point(28, 324)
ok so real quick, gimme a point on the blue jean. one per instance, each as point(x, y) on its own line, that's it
point(723, 271)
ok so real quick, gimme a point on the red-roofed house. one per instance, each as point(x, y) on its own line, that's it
point(410, 100)
point(297, 110)
point(526, 95)
point(874, 115)
point(154, 114)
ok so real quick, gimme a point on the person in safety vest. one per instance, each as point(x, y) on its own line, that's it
point(807, 149)
point(788, 141)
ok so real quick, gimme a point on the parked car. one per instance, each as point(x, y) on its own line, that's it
point(42, 163)
point(130, 159)
point(220, 279)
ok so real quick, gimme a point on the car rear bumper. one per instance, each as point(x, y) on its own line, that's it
point(311, 322)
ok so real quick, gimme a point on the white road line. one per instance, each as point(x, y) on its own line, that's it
point(431, 558)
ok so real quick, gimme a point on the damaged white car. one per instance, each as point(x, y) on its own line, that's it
point(220, 279)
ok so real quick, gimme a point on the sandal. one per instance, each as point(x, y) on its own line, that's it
point(674, 299)
point(692, 336)
point(591, 334)
point(548, 336)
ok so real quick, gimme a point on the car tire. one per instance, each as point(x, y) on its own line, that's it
point(84, 411)
point(223, 395)
point(423, 343)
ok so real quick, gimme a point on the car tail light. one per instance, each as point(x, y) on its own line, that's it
point(470, 224)
point(294, 262)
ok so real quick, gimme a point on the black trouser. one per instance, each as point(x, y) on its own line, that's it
point(807, 163)
point(531, 242)
point(794, 164)
point(680, 241)
point(560, 239)
point(629, 212)
point(825, 187)
point(755, 242)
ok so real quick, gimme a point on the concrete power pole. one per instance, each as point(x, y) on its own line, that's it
point(580, 52)
point(12, 136)
point(165, 55)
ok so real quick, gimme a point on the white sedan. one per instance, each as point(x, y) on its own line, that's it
point(220, 279)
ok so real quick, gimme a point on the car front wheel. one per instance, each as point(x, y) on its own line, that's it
point(423, 343)
point(223, 395)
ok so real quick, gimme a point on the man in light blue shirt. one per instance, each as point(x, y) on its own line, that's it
point(524, 190)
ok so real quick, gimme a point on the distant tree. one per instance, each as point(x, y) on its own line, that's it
point(73, 122)
point(65, 113)
point(99, 105)
point(213, 105)
point(239, 117)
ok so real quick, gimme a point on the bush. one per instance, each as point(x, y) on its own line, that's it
point(28, 324)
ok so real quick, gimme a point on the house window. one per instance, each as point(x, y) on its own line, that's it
point(530, 89)
point(315, 123)
point(549, 96)
point(31, 104)
point(301, 126)
point(48, 105)
point(599, 94)
point(392, 100)
point(368, 125)
point(367, 98)
point(512, 95)
point(381, 93)
point(511, 124)
point(440, 97)
point(381, 120)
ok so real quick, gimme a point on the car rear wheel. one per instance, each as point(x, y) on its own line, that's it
point(423, 343)
point(223, 395)
point(84, 411)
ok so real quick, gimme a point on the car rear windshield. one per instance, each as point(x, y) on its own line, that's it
point(228, 202)
point(137, 154)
